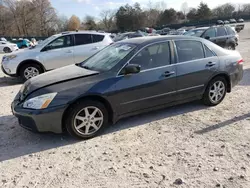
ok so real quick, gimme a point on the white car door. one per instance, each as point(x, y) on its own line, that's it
point(58, 53)
point(85, 47)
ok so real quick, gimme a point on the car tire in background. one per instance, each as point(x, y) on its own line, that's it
point(231, 46)
point(7, 50)
point(30, 70)
point(215, 91)
point(86, 119)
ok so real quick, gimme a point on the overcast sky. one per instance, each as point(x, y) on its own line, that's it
point(82, 8)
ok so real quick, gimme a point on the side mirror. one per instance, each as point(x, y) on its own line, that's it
point(131, 69)
point(207, 37)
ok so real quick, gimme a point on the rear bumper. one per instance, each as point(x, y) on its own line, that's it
point(237, 76)
point(47, 120)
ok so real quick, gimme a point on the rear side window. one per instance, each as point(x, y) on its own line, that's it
point(98, 38)
point(221, 31)
point(230, 31)
point(188, 50)
point(210, 33)
point(81, 39)
point(208, 52)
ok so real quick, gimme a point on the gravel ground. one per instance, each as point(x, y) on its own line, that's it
point(184, 146)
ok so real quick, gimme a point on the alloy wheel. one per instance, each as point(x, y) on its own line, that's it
point(30, 72)
point(88, 120)
point(217, 91)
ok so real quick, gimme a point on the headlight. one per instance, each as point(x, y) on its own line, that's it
point(39, 102)
point(9, 57)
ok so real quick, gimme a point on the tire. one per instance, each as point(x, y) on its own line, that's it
point(231, 46)
point(7, 50)
point(208, 98)
point(32, 69)
point(86, 122)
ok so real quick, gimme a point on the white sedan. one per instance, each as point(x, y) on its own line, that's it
point(7, 47)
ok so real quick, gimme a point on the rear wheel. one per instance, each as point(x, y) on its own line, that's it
point(28, 71)
point(86, 119)
point(215, 91)
point(7, 50)
point(231, 46)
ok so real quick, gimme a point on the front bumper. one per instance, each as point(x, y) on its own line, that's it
point(46, 120)
point(4, 71)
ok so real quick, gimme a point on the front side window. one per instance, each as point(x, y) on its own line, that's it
point(221, 32)
point(188, 50)
point(210, 33)
point(61, 42)
point(156, 55)
point(81, 39)
point(107, 58)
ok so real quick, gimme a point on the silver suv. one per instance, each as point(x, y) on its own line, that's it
point(54, 52)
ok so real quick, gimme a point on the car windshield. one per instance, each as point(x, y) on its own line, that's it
point(195, 32)
point(108, 57)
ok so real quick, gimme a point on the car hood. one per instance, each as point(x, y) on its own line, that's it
point(63, 74)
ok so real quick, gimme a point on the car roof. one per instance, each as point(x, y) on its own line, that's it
point(82, 32)
point(151, 39)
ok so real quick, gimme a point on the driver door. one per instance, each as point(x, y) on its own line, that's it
point(154, 85)
point(58, 53)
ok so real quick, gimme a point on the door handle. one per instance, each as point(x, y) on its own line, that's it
point(69, 51)
point(167, 73)
point(95, 48)
point(210, 64)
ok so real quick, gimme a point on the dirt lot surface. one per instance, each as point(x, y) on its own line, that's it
point(191, 145)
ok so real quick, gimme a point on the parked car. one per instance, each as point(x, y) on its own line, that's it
point(196, 32)
point(226, 22)
point(23, 43)
point(127, 78)
point(224, 36)
point(128, 35)
point(54, 52)
point(180, 31)
point(219, 22)
point(240, 20)
point(7, 47)
point(232, 21)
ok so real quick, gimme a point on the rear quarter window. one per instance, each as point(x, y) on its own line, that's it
point(230, 31)
point(188, 50)
point(97, 38)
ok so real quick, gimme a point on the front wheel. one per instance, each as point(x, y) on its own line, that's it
point(29, 71)
point(215, 91)
point(86, 119)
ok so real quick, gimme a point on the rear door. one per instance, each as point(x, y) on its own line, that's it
point(86, 45)
point(221, 37)
point(155, 85)
point(196, 64)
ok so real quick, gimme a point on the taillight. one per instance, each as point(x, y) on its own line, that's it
point(240, 61)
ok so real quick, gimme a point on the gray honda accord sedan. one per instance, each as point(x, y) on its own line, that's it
point(127, 78)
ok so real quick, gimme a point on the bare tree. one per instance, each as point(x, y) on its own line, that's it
point(184, 8)
point(108, 17)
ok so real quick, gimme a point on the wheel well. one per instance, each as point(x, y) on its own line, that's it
point(227, 78)
point(93, 98)
point(29, 62)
